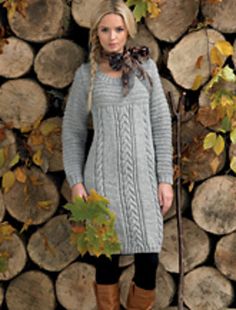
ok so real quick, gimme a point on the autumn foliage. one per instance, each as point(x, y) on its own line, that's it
point(93, 229)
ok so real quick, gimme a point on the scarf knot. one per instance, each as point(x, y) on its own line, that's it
point(130, 63)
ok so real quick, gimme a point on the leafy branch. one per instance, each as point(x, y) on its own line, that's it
point(221, 90)
point(144, 8)
point(93, 224)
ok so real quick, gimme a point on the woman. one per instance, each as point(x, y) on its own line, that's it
point(130, 159)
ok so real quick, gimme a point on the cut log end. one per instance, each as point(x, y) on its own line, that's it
point(57, 61)
point(173, 21)
point(206, 288)
point(35, 197)
point(16, 58)
point(225, 256)
point(31, 290)
point(196, 246)
point(15, 257)
point(75, 287)
point(44, 20)
point(22, 103)
point(213, 205)
point(50, 247)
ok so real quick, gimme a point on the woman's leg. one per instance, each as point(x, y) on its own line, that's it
point(145, 270)
point(106, 286)
point(142, 291)
point(107, 270)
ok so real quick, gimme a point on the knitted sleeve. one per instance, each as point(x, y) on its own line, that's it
point(74, 130)
point(161, 128)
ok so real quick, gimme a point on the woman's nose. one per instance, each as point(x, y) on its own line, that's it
point(112, 35)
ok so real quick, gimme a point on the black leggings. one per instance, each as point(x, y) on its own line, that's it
point(108, 271)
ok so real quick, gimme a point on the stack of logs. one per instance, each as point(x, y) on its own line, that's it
point(37, 64)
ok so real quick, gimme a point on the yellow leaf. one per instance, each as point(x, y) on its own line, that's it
point(37, 158)
point(36, 138)
point(224, 47)
point(2, 158)
point(215, 57)
point(20, 175)
point(14, 160)
point(233, 136)
point(26, 225)
point(199, 62)
point(6, 230)
point(197, 82)
point(44, 204)
point(48, 127)
point(8, 181)
point(233, 164)
point(25, 128)
point(191, 186)
point(219, 145)
point(209, 140)
point(215, 164)
point(94, 196)
point(153, 9)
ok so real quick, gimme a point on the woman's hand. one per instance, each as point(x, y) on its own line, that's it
point(165, 196)
point(78, 190)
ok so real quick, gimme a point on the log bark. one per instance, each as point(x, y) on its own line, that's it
point(82, 10)
point(31, 290)
point(165, 287)
point(16, 58)
point(144, 37)
point(225, 256)
point(74, 287)
point(8, 148)
point(45, 143)
point(16, 257)
point(189, 58)
point(196, 246)
point(32, 199)
point(206, 288)
point(221, 14)
point(173, 21)
point(22, 103)
point(2, 207)
point(50, 247)
point(44, 21)
point(56, 62)
point(213, 205)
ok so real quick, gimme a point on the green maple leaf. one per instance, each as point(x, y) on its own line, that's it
point(94, 225)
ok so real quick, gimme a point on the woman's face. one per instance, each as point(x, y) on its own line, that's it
point(112, 33)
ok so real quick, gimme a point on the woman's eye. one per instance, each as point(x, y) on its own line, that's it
point(119, 29)
point(104, 30)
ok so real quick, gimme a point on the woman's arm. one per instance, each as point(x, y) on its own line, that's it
point(162, 140)
point(74, 134)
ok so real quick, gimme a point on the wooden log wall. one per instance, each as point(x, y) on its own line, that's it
point(43, 271)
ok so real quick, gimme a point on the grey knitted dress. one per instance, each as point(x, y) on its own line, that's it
point(130, 153)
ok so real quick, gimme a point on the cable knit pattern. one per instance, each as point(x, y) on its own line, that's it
point(99, 157)
point(130, 153)
point(127, 164)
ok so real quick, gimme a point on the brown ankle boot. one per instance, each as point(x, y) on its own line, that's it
point(140, 299)
point(108, 297)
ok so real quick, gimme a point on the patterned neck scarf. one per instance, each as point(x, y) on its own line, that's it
point(130, 63)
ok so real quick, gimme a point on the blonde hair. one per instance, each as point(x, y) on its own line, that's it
point(106, 7)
